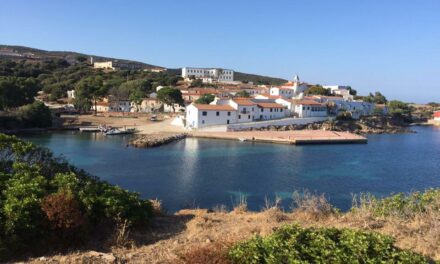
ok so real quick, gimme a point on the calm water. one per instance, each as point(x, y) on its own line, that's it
point(205, 173)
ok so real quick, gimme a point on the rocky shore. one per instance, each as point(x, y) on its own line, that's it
point(365, 125)
point(155, 139)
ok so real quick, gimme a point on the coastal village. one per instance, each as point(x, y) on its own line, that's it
point(236, 105)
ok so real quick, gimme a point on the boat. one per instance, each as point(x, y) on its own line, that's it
point(242, 139)
point(153, 118)
point(89, 129)
point(117, 131)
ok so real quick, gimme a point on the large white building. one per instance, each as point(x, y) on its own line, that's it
point(232, 111)
point(208, 74)
point(201, 115)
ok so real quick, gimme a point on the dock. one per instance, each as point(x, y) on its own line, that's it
point(294, 137)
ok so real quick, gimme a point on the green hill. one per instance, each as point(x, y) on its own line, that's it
point(17, 53)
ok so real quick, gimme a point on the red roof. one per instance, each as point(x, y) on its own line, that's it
point(436, 113)
point(270, 105)
point(307, 102)
point(244, 101)
point(214, 107)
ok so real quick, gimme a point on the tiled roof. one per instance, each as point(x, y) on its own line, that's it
point(214, 107)
point(307, 102)
point(270, 105)
point(244, 101)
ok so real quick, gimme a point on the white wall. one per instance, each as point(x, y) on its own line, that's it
point(287, 93)
point(195, 118)
point(279, 122)
point(310, 111)
point(223, 75)
point(266, 114)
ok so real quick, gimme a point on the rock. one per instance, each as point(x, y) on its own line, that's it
point(154, 140)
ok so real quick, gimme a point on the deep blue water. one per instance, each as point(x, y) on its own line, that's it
point(205, 173)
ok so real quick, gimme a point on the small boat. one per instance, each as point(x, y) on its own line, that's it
point(117, 131)
point(242, 139)
point(89, 129)
point(153, 118)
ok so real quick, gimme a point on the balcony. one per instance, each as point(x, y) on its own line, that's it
point(244, 112)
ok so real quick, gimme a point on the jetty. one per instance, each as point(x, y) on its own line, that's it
point(296, 137)
point(155, 139)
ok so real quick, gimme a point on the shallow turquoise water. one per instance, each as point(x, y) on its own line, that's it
point(205, 173)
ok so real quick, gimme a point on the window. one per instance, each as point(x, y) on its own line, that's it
point(229, 113)
point(304, 108)
point(204, 113)
point(271, 109)
point(227, 121)
point(217, 113)
point(239, 116)
point(281, 110)
point(203, 121)
point(252, 109)
point(249, 116)
point(262, 109)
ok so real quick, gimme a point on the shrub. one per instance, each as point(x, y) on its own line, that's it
point(62, 211)
point(399, 205)
point(344, 116)
point(216, 253)
point(35, 115)
point(293, 244)
point(44, 197)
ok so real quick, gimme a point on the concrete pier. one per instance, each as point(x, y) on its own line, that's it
point(296, 137)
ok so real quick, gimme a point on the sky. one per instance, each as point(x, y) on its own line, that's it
point(390, 46)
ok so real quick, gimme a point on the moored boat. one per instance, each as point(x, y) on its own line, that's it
point(89, 129)
point(117, 131)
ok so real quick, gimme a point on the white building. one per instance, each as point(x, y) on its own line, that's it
point(309, 108)
point(201, 115)
point(340, 104)
point(223, 111)
point(208, 74)
point(268, 111)
point(282, 91)
point(71, 94)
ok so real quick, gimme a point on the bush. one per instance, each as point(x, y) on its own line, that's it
point(344, 116)
point(293, 244)
point(215, 253)
point(44, 197)
point(35, 115)
point(400, 205)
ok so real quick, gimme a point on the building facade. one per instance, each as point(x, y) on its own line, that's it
point(208, 74)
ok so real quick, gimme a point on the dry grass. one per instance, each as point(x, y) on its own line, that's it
point(202, 236)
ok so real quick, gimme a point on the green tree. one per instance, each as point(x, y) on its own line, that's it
point(197, 83)
point(170, 96)
point(88, 91)
point(376, 98)
point(35, 115)
point(242, 93)
point(15, 92)
point(398, 108)
point(205, 99)
point(317, 90)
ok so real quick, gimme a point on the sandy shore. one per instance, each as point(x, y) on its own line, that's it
point(142, 123)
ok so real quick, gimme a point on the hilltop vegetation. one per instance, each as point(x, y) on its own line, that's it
point(32, 54)
point(257, 79)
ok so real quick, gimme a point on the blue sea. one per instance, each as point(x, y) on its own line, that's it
point(206, 173)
